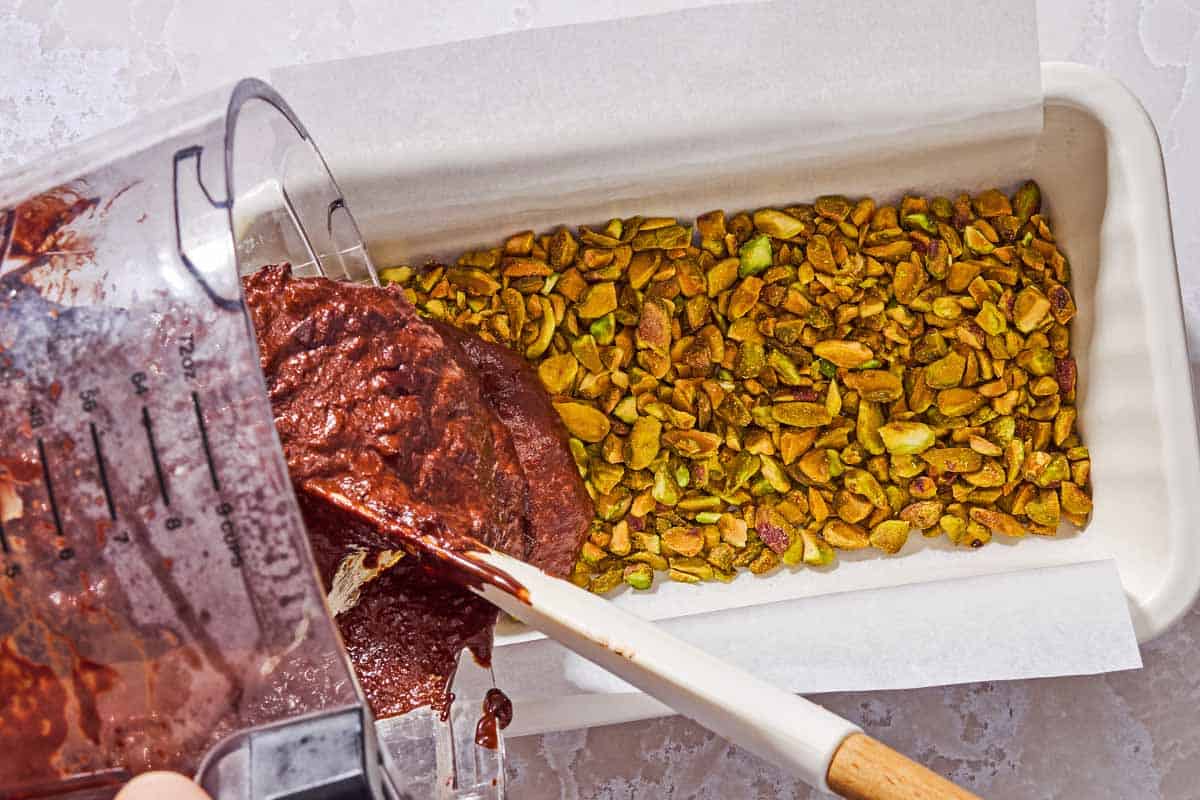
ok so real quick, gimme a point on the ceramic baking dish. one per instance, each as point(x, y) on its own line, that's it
point(1098, 161)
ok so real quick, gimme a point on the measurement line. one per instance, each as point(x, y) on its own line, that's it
point(158, 471)
point(212, 469)
point(112, 510)
point(49, 486)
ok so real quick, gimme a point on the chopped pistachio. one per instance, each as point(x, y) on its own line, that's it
point(682, 577)
point(834, 206)
point(974, 535)
point(785, 369)
point(621, 542)
point(591, 554)
point(833, 399)
point(692, 444)
point(545, 333)
point(946, 372)
point(875, 384)
point(1044, 509)
point(997, 521)
point(683, 541)
point(583, 421)
point(744, 297)
point(666, 490)
point(801, 414)
point(1062, 305)
point(643, 444)
point(990, 319)
point(905, 438)
point(820, 254)
point(722, 275)
point(773, 472)
point(1027, 201)
point(864, 483)
point(558, 373)
point(817, 552)
point(922, 514)
point(838, 371)
point(992, 203)
point(1029, 309)
point(844, 536)
point(563, 248)
point(959, 402)
point(1074, 499)
point(775, 531)
point(603, 329)
point(626, 410)
point(794, 554)
point(843, 353)
point(600, 299)
point(778, 224)
point(764, 563)
point(754, 256)
point(889, 536)
point(921, 221)
point(639, 576)
point(870, 422)
point(976, 240)
point(606, 581)
point(953, 459)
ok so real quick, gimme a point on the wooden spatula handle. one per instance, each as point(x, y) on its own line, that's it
point(867, 769)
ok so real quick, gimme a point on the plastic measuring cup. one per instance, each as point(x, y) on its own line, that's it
point(157, 593)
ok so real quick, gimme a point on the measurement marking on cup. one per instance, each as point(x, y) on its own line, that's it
point(112, 510)
point(224, 509)
point(49, 486)
point(158, 470)
point(212, 469)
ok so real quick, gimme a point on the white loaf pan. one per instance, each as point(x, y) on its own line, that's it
point(1100, 167)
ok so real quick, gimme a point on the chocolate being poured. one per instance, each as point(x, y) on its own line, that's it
point(418, 433)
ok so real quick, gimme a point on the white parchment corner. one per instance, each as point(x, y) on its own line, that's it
point(1055, 621)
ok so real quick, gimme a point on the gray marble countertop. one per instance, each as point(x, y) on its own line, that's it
point(72, 68)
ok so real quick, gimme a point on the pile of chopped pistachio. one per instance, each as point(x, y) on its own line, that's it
point(774, 386)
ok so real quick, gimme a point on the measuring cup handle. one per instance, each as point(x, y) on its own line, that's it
point(188, 203)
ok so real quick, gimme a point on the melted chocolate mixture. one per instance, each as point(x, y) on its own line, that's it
point(497, 715)
point(558, 507)
point(451, 434)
